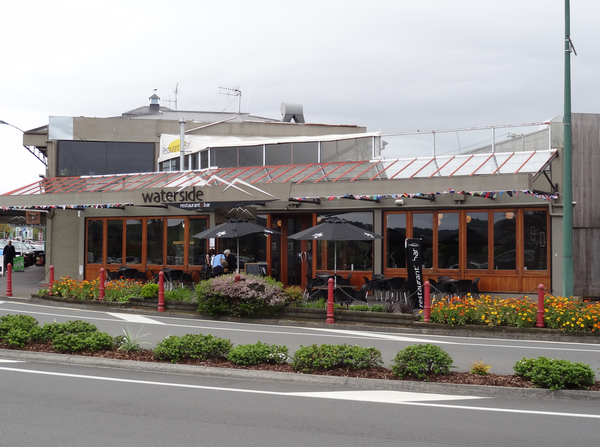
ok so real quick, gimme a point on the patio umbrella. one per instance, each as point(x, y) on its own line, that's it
point(335, 229)
point(234, 228)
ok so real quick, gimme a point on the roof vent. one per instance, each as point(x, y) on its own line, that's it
point(292, 111)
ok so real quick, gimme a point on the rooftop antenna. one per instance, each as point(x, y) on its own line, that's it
point(235, 92)
point(173, 101)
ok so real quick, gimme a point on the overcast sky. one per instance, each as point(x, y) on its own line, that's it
point(394, 65)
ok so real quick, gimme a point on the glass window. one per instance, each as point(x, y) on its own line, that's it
point(197, 252)
point(278, 154)
point(251, 156)
point(94, 241)
point(348, 255)
point(99, 158)
point(305, 153)
point(395, 240)
point(175, 241)
point(447, 232)
point(477, 240)
point(133, 241)
point(535, 226)
point(505, 240)
point(154, 241)
point(114, 243)
point(224, 157)
point(423, 229)
point(328, 151)
point(204, 159)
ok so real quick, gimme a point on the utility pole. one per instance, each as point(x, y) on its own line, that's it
point(567, 198)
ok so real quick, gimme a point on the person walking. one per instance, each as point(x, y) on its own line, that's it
point(9, 254)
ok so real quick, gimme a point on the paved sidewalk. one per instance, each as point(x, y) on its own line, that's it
point(26, 283)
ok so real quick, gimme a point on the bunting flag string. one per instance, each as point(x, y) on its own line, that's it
point(483, 194)
point(67, 207)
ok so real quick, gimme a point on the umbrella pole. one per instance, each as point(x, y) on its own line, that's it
point(237, 267)
point(335, 264)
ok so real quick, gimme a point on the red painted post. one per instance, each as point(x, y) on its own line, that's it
point(161, 292)
point(237, 278)
point(330, 319)
point(427, 302)
point(9, 280)
point(51, 278)
point(102, 280)
point(540, 310)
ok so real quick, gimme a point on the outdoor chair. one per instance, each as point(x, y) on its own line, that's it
point(462, 287)
point(475, 287)
point(443, 289)
point(397, 288)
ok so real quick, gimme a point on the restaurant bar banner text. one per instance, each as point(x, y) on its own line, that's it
point(414, 264)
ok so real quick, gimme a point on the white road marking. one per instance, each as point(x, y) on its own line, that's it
point(382, 396)
point(10, 361)
point(133, 318)
point(395, 397)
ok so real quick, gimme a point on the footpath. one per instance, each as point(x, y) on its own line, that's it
point(27, 283)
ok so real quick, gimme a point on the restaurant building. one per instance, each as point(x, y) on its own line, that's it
point(114, 195)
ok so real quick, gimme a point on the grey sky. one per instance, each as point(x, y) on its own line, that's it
point(394, 66)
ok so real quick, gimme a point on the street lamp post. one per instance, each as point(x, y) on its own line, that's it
point(36, 153)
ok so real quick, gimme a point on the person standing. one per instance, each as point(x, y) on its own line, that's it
point(9, 254)
point(217, 264)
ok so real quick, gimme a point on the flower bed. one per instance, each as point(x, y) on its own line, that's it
point(566, 314)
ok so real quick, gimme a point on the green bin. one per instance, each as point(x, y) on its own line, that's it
point(18, 264)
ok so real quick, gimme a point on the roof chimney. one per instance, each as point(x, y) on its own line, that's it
point(290, 111)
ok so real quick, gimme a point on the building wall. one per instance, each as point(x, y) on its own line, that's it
point(63, 250)
point(586, 211)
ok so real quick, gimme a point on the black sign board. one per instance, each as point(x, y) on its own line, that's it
point(414, 261)
point(256, 268)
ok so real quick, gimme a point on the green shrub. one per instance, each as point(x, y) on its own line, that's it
point(377, 308)
point(325, 357)
point(179, 294)
point(192, 346)
point(129, 342)
point(258, 353)
point(480, 368)
point(150, 290)
point(21, 322)
point(359, 307)
point(82, 341)
point(293, 296)
point(50, 331)
point(17, 337)
point(420, 361)
point(555, 374)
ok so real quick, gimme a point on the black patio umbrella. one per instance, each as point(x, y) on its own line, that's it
point(234, 228)
point(335, 229)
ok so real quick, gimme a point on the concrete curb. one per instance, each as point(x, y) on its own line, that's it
point(351, 382)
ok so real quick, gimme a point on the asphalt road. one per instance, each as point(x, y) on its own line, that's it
point(51, 404)
point(500, 353)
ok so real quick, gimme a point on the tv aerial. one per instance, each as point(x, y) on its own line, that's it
point(235, 92)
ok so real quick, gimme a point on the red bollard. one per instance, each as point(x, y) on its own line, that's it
point(237, 278)
point(540, 311)
point(161, 292)
point(330, 319)
point(102, 280)
point(51, 270)
point(427, 302)
point(9, 280)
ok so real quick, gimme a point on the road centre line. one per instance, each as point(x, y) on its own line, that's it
point(397, 398)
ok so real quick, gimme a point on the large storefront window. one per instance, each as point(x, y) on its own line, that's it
point(197, 252)
point(477, 240)
point(395, 240)
point(133, 241)
point(252, 247)
point(447, 240)
point(175, 241)
point(95, 233)
point(114, 242)
point(505, 240)
point(154, 242)
point(348, 255)
point(535, 227)
point(423, 228)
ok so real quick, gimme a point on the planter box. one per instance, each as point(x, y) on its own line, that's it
point(348, 316)
point(86, 302)
point(170, 305)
